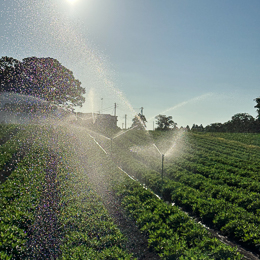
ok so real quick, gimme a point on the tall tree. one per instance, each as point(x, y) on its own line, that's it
point(41, 77)
point(165, 122)
point(242, 122)
point(257, 100)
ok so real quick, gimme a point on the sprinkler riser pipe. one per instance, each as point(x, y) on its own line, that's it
point(162, 166)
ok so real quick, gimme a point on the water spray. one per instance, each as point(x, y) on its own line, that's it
point(98, 144)
point(157, 149)
point(111, 148)
point(124, 132)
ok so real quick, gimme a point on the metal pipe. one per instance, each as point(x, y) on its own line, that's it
point(162, 166)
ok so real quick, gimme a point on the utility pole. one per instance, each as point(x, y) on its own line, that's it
point(125, 120)
point(122, 125)
point(142, 110)
point(101, 106)
point(115, 110)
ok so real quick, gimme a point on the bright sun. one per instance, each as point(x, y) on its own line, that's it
point(72, 1)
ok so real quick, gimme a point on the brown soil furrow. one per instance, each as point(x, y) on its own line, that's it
point(44, 235)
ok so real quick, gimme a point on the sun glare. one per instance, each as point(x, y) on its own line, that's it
point(72, 1)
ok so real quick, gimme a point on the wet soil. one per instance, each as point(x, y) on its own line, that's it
point(44, 236)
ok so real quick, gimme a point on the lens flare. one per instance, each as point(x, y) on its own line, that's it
point(72, 1)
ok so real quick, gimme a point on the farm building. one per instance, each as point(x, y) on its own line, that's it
point(97, 120)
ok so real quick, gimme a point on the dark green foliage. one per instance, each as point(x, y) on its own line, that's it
point(213, 178)
point(41, 77)
point(86, 229)
point(170, 232)
point(239, 123)
point(165, 122)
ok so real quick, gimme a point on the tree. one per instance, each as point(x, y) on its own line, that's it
point(257, 100)
point(197, 128)
point(139, 121)
point(242, 122)
point(164, 122)
point(44, 78)
point(215, 127)
point(239, 123)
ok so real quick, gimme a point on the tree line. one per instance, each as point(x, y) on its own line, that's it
point(239, 123)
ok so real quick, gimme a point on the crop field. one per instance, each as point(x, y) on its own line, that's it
point(71, 193)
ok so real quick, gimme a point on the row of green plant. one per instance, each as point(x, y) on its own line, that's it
point(226, 169)
point(221, 188)
point(222, 144)
point(202, 163)
point(211, 146)
point(210, 205)
point(230, 219)
point(235, 157)
point(171, 233)
point(219, 173)
point(245, 138)
point(86, 229)
point(6, 130)
point(226, 200)
point(19, 197)
point(215, 189)
point(227, 216)
point(18, 142)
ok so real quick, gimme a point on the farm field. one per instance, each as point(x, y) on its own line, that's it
point(214, 179)
point(65, 194)
point(245, 138)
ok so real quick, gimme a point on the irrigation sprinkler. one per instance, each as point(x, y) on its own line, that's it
point(162, 161)
point(162, 166)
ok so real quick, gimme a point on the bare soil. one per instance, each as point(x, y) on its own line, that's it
point(44, 236)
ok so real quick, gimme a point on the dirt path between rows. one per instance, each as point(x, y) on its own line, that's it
point(44, 236)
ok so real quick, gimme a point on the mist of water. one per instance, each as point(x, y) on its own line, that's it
point(157, 149)
point(195, 99)
point(124, 132)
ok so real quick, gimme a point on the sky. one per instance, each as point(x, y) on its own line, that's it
point(197, 61)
